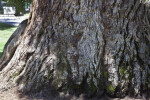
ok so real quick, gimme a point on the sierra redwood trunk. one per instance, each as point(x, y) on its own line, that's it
point(95, 47)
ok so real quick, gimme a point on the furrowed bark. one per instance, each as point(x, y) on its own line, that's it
point(84, 46)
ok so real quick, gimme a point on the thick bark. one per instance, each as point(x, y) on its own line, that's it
point(12, 44)
point(83, 46)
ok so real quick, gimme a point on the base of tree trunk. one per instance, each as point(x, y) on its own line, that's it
point(77, 46)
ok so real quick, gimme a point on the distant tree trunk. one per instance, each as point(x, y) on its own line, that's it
point(95, 47)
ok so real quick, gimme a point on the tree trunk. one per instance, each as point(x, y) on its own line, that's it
point(95, 47)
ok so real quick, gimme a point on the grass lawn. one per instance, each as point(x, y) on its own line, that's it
point(5, 32)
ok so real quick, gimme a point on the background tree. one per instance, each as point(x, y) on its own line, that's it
point(19, 5)
point(95, 47)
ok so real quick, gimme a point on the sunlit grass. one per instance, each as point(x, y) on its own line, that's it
point(5, 32)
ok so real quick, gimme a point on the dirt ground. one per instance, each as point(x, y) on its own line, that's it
point(13, 94)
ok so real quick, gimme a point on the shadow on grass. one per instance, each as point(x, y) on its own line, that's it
point(4, 26)
point(0, 54)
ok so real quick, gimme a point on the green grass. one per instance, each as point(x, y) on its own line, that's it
point(5, 32)
point(0, 54)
